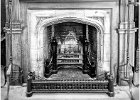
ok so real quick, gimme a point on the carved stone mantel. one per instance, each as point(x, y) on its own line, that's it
point(39, 20)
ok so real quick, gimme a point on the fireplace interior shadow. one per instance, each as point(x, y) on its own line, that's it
point(69, 37)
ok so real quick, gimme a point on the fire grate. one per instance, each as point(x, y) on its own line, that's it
point(69, 86)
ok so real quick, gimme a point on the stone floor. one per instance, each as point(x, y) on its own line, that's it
point(19, 93)
point(69, 73)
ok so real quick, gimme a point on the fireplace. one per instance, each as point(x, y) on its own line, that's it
point(94, 25)
point(71, 43)
point(51, 39)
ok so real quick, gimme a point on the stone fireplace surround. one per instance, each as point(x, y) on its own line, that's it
point(38, 20)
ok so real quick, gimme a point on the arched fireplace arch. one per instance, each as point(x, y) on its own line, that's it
point(42, 23)
point(93, 22)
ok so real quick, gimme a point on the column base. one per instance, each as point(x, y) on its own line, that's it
point(54, 71)
point(85, 71)
point(111, 94)
point(92, 75)
point(123, 83)
point(29, 94)
point(47, 75)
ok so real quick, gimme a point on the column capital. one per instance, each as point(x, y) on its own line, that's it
point(123, 27)
point(126, 30)
point(16, 28)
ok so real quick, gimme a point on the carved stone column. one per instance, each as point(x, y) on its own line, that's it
point(16, 44)
point(126, 40)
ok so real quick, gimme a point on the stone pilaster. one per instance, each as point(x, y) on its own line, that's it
point(126, 40)
point(16, 43)
point(126, 46)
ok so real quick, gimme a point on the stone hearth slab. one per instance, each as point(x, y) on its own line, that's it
point(69, 73)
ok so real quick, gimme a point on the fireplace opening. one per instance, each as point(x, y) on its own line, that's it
point(72, 41)
point(70, 53)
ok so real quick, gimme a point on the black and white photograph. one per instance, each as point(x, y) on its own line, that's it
point(70, 49)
